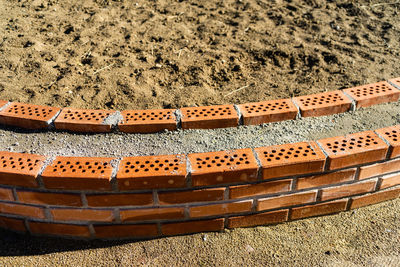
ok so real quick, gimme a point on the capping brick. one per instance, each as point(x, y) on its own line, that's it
point(286, 201)
point(23, 210)
point(319, 209)
point(290, 159)
point(354, 149)
point(390, 180)
point(242, 191)
point(392, 136)
point(59, 199)
point(20, 169)
point(326, 179)
point(6, 194)
point(108, 200)
point(150, 172)
point(83, 120)
point(82, 215)
point(147, 121)
point(268, 111)
point(374, 198)
point(12, 224)
point(59, 229)
point(27, 116)
point(266, 218)
point(379, 169)
point(192, 227)
point(134, 231)
point(347, 190)
point(202, 195)
point(78, 173)
point(323, 104)
point(373, 94)
point(223, 167)
point(220, 209)
point(152, 214)
point(209, 117)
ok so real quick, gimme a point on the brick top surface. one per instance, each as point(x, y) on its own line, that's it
point(2, 103)
point(27, 111)
point(371, 90)
point(322, 100)
point(396, 81)
point(86, 116)
point(148, 116)
point(19, 163)
point(267, 107)
point(208, 113)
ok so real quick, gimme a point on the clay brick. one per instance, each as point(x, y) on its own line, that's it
point(373, 94)
point(23, 210)
point(202, 195)
point(3, 103)
point(379, 169)
point(83, 120)
point(390, 180)
point(290, 159)
point(347, 190)
point(220, 209)
point(150, 172)
point(152, 214)
point(133, 231)
point(20, 169)
point(82, 215)
point(354, 149)
point(319, 209)
point(223, 167)
point(6, 194)
point(147, 121)
point(78, 173)
point(396, 82)
point(323, 104)
point(392, 136)
point(286, 201)
point(268, 111)
point(27, 116)
point(326, 179)
point(209, 117)
point(12, 224)
point(59, 229)
point(59, 199)
point(266, 218)
point(109, 200)
point(374, 198)
point(242, 191)
point(192, 227)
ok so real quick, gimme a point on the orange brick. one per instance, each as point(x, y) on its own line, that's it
point(223, 167)
point(109, 200)
point(192, 227)
point(209, 117)
point(242, 191)
point(59, 199)
point(23, 210)
point(3, 103)
point(390, 180)
point(379, 169)
point(354, 149)
point(147, 121)
point(319, 209)
point(202, 195)
point(152, 214)
point(220, 209)
point(82, 215)
point(12, 224)
point(265, 218)
point(6, 194)
point(374, 198)
point(392, 136)
point(395, 81)
point(286, 201)
point(133, 231)
point(59, 229)
point(347, 190)
point(326, 179)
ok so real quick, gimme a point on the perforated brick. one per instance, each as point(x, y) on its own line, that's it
point(268, 111)
point(323, 104)
point(372, 94)
point(147, 121)
point(83, 120)
point(78, 173)
point(396, 82)
point(209, 117)
point(290, 159)
point(223, 167)
point(392, 136)
point(27, 116)
point(20, 169)
point(353, 149)
point(150, 172)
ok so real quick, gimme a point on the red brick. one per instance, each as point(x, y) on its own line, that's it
point(323, 104)
point(133, 231)
point(23, 210)
point(59, 199)
point(78, 173)
point(354, 149)
point(319, 209)
point(12, 224)
point(374, 198)
point(20, 169)
point(27, 116)
point(152, 214)
point(192, 227)
point(147, 121)
point(6, 194)
point(59, 229)
point(83, 120)
point(82, 215)
point(266, 218)
point(3, 103)
point(223, 167)
point(268, 111)
point(150, 172)
point(395, 81)
point(209, 117)
point(390, 180)
point(392, 136)
point(379, 169)
point(286, 201)
point(347, 190)
point(290, 159)
point(242, 191)
point(109, 200)
point(326, 179)
point(220, 209)
point(373, 94)
point(202, 195)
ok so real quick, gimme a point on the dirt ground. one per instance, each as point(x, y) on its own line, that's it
point(164, 53)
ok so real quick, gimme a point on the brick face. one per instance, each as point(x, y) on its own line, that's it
point(152, 214)
point(379, 169)
point(82, 215)
point(390, 180)
point(202, 195)
point(58, 199)
point(319, 209)
point(326, 179)
point(23, 210)
point(59, 229)
point(136, 231)
point(272, 217)
point(6, 194)
point(104, 200)
point(242, 191)
point(392, 136)
point(347, 190)
point(192, 227)
point(12, 224)
point(220, 209)
point(374, 198)
point(285, 201)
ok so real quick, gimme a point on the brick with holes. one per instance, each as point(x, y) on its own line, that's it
point(395, 82)
point(78, 173)
point(28, 116)
point(392, 136)
point(354, 149)
point(147, 121)
point(223, 167)
point(20, 169)
point(83, 120)
point(290, 159)
point(209, 117)
point(268, 111)
point(151, 172)
point(372, 94)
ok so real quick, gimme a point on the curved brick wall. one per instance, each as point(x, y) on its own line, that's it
point(148, 121)
point(153, 196)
